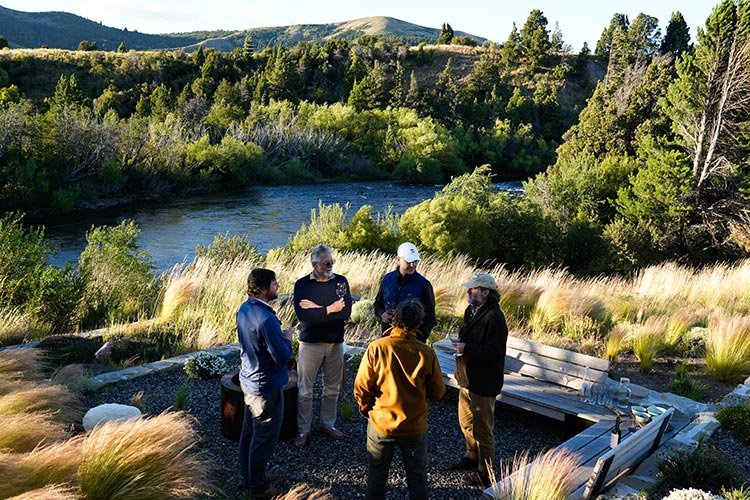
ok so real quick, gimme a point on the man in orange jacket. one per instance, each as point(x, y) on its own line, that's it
point(396, 378)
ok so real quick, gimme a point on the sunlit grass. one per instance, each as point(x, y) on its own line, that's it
point(146, 458)
point(42, 398)
point(53, 464)
point(613, 342)
point(728, 347)
point(17, 326)
point(647, 340)
point(26, 364)
point(547, 476)
point(51, 492)
point(22, 432)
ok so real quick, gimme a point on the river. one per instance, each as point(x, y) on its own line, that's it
point(268, 215)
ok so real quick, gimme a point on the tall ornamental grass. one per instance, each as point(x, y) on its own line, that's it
point(146, 459)
point(26, 364)
point(546, 476)
point(48, 465)
point(42, 398)
point(648, 340)
point(22, 432)
point(51, 492)
point(728, 347)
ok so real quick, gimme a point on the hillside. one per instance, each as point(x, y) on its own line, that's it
point(64, 30)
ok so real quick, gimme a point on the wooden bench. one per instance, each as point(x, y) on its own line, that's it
point(547, 380)
point(595, 475)
point(540, 378)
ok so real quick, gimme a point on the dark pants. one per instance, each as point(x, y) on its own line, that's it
point(260, 433)
point(414, 453)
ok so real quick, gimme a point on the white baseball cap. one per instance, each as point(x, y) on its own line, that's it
point(408, 252)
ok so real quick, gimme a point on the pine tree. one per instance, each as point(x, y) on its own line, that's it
point(677, 39)
point(535, 41)
point(604, 44)
point(511, 48)
point(446, 35)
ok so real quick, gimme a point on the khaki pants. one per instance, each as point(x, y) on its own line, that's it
point(310, 359)
point(476, 416)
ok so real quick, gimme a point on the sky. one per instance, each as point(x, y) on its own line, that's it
point(578, 20)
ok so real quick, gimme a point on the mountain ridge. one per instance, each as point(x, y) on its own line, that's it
point(64, 30)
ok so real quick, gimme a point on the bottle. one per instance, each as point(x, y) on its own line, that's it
point(585, 392)
point(616, 436)
point(623, 393)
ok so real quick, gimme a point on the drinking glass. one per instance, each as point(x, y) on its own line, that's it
point(623, 393)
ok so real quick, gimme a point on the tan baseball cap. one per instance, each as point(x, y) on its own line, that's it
point(481, 280)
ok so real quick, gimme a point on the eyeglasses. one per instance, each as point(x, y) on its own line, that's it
point(326, 263)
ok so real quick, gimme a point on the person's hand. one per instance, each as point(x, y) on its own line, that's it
point(308, 304)
point(288, 333)
point(386, 318)
point(335, 307)
point(459, 347)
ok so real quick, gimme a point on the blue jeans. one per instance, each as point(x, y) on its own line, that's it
point(260, 433)
point(414, 453)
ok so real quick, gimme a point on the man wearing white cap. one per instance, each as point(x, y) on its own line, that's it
point(402, 284)
point(480, 362)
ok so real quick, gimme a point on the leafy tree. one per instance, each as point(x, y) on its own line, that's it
point(86, 45)
point(446, 35)
point(535, 41)
point(604, 44)
point(119, 285)
point(677, 39)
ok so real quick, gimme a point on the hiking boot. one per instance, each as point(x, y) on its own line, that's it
point(300, 439)
point(464, 464)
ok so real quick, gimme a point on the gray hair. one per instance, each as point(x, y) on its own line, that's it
point(315, 253)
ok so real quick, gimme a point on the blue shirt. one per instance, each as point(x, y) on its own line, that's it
point(264, 351)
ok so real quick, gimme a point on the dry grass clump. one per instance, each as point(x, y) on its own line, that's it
point(51, 492)
point(26, 364)
point(53, 464)
point(517, 301)
point(145, 458)
point(547, 476)
point(728, 347)
point(42, 398)
point(23, 432)
point(558, 307)
point(17, 326)
point(614, 341)
point(647, 340)
point(302, 491)
point(679, 324)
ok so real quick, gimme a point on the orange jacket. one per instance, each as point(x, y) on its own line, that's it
point(397, 376)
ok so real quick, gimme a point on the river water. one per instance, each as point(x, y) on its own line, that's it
point(268, 215)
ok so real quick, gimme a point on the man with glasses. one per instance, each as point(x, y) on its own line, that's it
point(402, 284)
point(323, 303)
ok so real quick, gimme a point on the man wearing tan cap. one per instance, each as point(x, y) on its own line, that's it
point(402, 284)
point(480, 359)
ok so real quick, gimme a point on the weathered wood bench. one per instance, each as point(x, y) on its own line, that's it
point(540, 378)
point(547, 380)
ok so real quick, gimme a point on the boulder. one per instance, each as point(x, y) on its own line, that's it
point(108, 412)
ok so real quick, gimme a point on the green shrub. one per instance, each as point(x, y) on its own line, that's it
point(683, 384)
point(180, 397)
point(699, 468)
point(205, 365)
point(363, 313)
point(347, 410)
point(119, 285)
point(737, 420)
point(228, 249)
point(355, 360)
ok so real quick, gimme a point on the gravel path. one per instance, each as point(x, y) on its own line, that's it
point(340, 466)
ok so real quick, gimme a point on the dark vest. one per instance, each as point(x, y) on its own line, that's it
point(412, 288)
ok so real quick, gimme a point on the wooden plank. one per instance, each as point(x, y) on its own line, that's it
point(529, 405)
point(552, 370)
point(557, 353)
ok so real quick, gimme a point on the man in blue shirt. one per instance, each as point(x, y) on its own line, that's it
point(264, 352)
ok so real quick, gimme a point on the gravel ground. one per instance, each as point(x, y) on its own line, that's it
point(338, 465)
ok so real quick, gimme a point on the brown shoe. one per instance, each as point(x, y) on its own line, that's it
point(332, 432)
point(300, 439)
point(464, 464)
point(270, 493)
point(476, 479)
